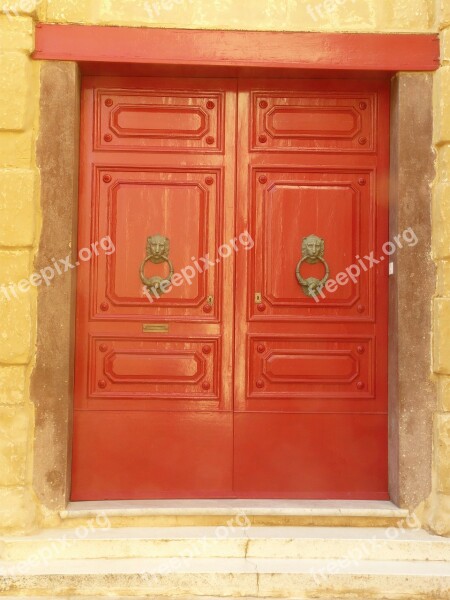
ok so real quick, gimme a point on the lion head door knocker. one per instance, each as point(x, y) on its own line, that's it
point(158, 247)
point(313, 250)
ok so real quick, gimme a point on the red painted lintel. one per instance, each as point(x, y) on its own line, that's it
point(334, 51)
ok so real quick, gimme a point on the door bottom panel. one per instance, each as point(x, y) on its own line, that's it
point(332, 456)
point(179, 455)
point(140, 455)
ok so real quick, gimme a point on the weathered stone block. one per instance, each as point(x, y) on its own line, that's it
point(12, 384)
point(16, 33)
point(14, 430)
point(444, 393)
point(16, 149)
point(14, 266)
point(326, 15)
point(17, 509)
point(443, 278)
point(16, 334)
point(15, 91)
point(444, 13)
point(17, 207)
point(442, 336)
point(442, 445)
point(441, 103)
point(443, 163)
point(14, 8)
point(405, 15)
point(15, 309)
point(441, 221)
point(445, 46)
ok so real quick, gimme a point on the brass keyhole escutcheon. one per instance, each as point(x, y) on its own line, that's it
point(158, 248)
point(313, 250)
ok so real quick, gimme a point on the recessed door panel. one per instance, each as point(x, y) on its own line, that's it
point(170, 120)
point(306, 373)
point(289, 206)
point(133, 205)
point(154, 372)
point(306, 121)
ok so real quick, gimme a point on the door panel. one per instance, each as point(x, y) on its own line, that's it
point(166, 120)
point(153, 390)
point(236, 383)
point(286, 455)
point(329, 118)
point(321, 371)
point(154, 374)
point(178, 201)
point(334, 207)
point(142, 455)
point(311, 376)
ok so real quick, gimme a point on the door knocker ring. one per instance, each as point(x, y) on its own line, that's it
point(158, 247)
point(313, 249)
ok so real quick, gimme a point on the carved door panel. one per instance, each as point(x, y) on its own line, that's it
point(153, 390)
point(311, 377)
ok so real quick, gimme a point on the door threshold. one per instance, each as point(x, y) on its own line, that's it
point(338, 513)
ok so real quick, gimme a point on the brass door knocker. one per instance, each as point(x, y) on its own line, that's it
point(158, 247)
point(313, 249)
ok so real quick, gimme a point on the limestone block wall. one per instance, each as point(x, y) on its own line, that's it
point(19, 234)
point(438, 506)
point(272, 15)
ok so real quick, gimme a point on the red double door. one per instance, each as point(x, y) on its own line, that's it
point(239, 198)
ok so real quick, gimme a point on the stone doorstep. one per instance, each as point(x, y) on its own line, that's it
point(285, 508)
point(256, 578)
point(170, 513)
point(307, 543)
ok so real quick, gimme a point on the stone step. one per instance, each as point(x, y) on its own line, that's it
point(239, 542)
point(260, 513)
point(232, 577)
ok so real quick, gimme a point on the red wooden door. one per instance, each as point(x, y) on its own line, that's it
point(153, 392)
point(236, 384)
point(311, 377)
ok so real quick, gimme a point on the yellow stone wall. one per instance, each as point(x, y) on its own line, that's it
point(19, 228)
point(19, 185)
point(282, 15)
point(438, 505)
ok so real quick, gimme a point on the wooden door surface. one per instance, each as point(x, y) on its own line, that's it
point(311, 372)
point(235, 381)
point(153, 394)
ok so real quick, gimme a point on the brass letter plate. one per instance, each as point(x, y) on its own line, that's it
point(155, 328)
